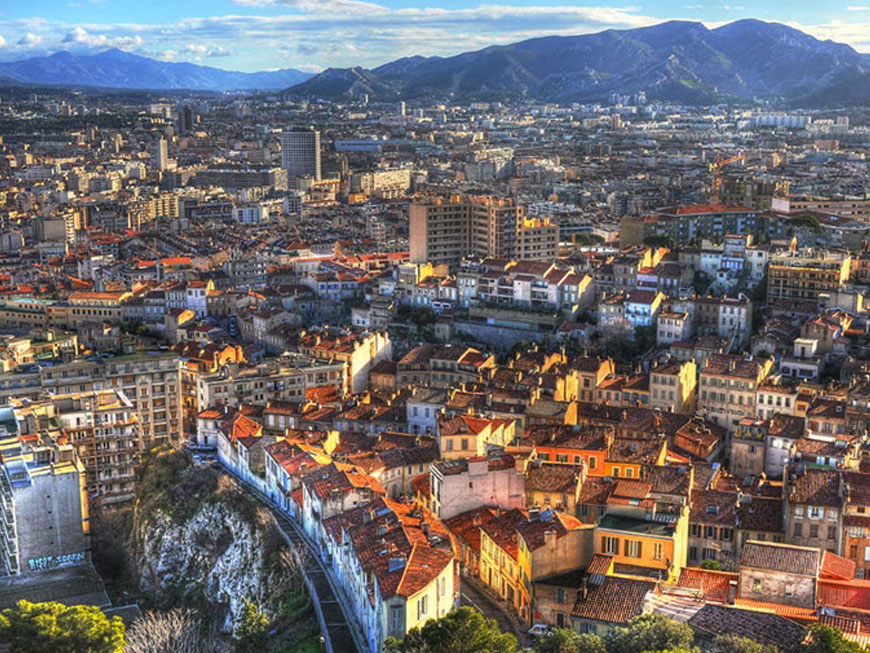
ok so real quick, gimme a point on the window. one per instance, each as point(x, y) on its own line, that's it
point(560, 620)
point(695, 530)
point(789, 589)
point(658, 551)
point(610, 545)
point(593, 462)
point(396, 619)
point(632, 548)
point(798, 530)
point(422, 607)
point(814, 512)
point(616, 471)
point(629, 472)
point(693, 553)
point(709, 532)
point(832, 532)
point(560, 595)
point(814, 530)
point(464, 444)
point(756, 586)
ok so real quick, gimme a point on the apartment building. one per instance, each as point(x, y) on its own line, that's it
point(104, 429)
point(444, 230)
point(44, 521)
point(727, 387)
point(806, 274)
point(673, 387)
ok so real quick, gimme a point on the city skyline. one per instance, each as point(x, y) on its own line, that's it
point(251, 35)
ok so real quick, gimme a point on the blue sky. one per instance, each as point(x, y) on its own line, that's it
point(315, 34)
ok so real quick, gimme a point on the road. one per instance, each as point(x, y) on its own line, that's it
point(474, 597)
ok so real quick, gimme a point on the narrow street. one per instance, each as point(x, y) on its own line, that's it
point(474, 597)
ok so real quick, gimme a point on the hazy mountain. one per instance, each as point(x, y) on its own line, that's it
point(677, 60)
point(118, 69)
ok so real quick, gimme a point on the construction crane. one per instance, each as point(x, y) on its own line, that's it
point(716, 169)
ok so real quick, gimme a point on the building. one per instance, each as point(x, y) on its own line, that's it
point(727, 387)
point(159, 154)
point(445, 230)
point(779, 573)
point(806, 274)
point(462, 484)
point(673, 386)
point(300, 154)
point(42, 492)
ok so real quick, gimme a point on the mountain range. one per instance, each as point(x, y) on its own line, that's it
point(677, 60)
point(118, 69)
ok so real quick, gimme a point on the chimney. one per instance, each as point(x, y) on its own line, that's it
point(424, 526)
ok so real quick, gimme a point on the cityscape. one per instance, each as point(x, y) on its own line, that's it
point(553, 339)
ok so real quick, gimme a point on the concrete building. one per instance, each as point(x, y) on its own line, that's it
point(44, 521)
point(300, 154)
point(806, 274)
point(159, 154)
point(463, 484)
point(444, 230)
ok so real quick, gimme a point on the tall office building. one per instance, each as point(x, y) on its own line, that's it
point(159, 155)
point(300, 154)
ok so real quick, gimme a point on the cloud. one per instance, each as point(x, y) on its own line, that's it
point(200, 51)
point(858, 8)
point(2, 41)
point(319, 33)
point(29, 40)
point(80, 37)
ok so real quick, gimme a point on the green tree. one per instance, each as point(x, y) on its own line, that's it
point(460, 631)
point(251, 634)
point(39, 627)
point(564, 640)
point(650, 632)
point(735, 644)
point(824, 639)
point(715, 565)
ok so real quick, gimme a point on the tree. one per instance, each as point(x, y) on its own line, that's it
point(176, 631)
point(39, 627)
point(251, 634)
point(735, 644)
point(563, 640)
point(714, 565)
point(650, 632)
point(460, 631)
point(824, 639)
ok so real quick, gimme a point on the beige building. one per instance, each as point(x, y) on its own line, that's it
point(444, 230)
point(728, 386)
point(672, 387)
point(806, 274)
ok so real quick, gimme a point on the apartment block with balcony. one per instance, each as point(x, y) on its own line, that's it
point(806, 274)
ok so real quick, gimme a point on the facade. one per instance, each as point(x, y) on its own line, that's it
point(42, 492)
point(445, 230)
point(460, 485)
point(806, 274)
point(300, 154)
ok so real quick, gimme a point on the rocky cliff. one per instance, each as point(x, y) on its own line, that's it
point(197, 540)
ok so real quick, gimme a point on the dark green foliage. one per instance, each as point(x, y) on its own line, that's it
point(461, 631)
point(650, 632)
point(563, 640)
point(735, 644)
point(824, 639)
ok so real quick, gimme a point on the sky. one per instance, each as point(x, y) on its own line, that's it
point(312, 35)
